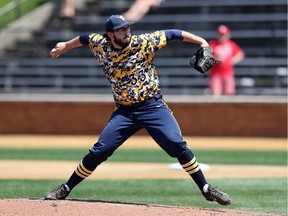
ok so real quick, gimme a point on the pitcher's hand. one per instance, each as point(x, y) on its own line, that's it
point(58, 50)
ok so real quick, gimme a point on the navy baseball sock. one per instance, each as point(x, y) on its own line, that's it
point(83, 170)
point(190, 165)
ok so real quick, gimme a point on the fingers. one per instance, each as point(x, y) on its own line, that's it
point(55, 52)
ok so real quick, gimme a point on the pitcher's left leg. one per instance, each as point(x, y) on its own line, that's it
point(164, 129)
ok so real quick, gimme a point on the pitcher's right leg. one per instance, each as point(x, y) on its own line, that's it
point(118, 129)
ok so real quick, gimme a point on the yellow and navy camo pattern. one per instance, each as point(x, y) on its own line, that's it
point(130, 71)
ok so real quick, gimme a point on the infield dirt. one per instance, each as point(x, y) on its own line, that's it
point(32, 207)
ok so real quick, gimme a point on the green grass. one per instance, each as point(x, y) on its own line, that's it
point(262, 195)
point(151, 155)
point(23, 9)
point(5, 2)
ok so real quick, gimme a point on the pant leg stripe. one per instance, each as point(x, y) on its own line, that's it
point(194, 170)
point(84, 169)
point(192, 166)
point(79, 174)
point(189, 163)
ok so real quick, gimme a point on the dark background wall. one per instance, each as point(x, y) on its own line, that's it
point(197, 119)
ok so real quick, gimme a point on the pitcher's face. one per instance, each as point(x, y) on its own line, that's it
point(122, 36)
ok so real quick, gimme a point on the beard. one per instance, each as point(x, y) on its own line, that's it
point(122, 42)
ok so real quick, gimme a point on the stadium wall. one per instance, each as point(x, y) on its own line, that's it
point(195, 119)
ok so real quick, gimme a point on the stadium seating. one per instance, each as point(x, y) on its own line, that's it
point(259, 27)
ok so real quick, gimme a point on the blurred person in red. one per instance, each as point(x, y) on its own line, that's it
point(221, 78)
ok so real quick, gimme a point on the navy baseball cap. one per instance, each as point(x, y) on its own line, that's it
point(115, 22)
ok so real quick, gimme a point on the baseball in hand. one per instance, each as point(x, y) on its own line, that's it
point(54, 53)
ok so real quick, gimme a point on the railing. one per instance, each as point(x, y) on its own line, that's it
point(14, 9)
point(13, 5)
point(10, 6)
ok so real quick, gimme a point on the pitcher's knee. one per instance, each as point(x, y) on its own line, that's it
point(185, 156)
point(92, 160)
point(176, 149)
point(99, 156)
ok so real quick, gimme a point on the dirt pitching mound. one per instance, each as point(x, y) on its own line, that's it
point(36, 207)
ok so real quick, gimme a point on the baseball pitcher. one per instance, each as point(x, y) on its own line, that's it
point(127, 61)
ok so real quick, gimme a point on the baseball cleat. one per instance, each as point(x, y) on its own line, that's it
point(59, 193)
point(220, 197)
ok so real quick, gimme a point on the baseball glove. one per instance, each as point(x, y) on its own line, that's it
point(203, 60)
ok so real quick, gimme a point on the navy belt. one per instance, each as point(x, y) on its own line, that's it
point(143, 103)
point(147, 102)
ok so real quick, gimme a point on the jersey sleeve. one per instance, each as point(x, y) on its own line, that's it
point(84, 39)
point(95, 43)
point(172, 34)
point(90, 39)
point(154, 41)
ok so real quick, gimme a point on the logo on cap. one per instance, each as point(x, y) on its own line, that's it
point(120, 17)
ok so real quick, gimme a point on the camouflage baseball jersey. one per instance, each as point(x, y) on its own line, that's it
point(130, 71)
